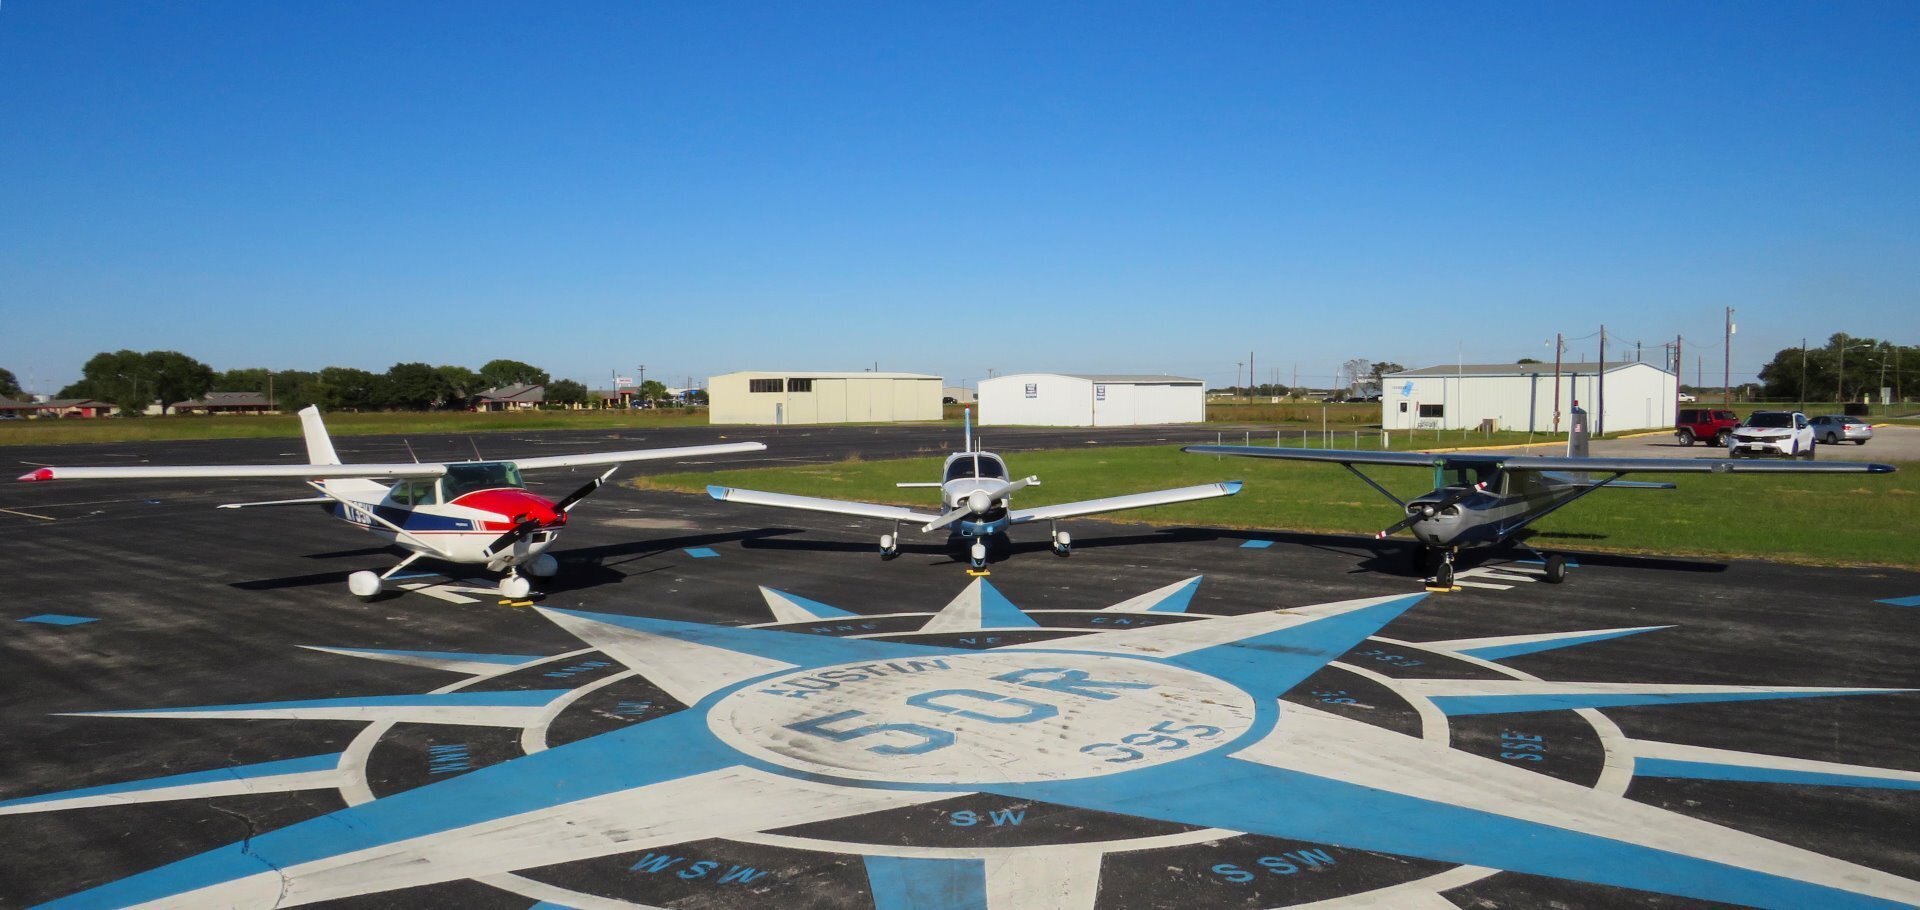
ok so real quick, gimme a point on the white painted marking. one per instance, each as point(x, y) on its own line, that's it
point(534, 737)
point(962, 614)
point(1646, 748)
point(1415, 895)
point(1145, 601)
point(1043, 878)
point(784, 609)
point(450, 664)
point(459, 715)
point(667, 813)
point(686, 670)
point(1440, 688)
point(978, 718)
point(28, 514)
point(448, 591)
point(1315, 742)
point(1472, 644)
point(1482, 584)
point(279, 783)
point(1170, 641)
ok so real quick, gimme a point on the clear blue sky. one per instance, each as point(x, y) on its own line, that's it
point(948, 188)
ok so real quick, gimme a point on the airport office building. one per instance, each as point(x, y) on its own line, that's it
point(1621, 396)
point(756, 397)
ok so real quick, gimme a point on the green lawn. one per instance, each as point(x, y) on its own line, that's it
point(1844, 519)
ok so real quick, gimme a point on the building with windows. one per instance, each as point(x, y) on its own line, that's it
point(1621, 396)
point(758, 397)
point(1090, 400)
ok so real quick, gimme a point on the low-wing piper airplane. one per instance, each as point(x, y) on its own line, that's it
point(476, 512)
point(976, 503)
point(1484, 499)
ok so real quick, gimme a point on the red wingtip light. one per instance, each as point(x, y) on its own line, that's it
point(42, 474)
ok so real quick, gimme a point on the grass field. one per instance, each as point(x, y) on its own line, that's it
point(340, 423)
point(1835, 520)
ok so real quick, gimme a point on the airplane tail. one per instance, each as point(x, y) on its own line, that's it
point(966, 427)
point(319, 444)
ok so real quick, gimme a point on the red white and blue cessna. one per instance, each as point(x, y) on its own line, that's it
point(473, 512)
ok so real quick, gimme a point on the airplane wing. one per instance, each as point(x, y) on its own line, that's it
point(1555, 462)
point(817, 504)
point(241, 471)
point(599, 458)
point(1130, 501)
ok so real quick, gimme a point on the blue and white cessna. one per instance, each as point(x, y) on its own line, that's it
point(976, 503)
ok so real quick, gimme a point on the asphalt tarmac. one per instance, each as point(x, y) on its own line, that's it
point(452, 750)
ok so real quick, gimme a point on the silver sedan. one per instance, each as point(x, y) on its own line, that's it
point(1833, 429)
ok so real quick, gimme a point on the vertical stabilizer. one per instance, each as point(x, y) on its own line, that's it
point(319, 445)
point(966, 427)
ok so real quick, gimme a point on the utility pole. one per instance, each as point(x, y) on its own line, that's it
point(1679, 360)
point(1726, 354)
point(1249, 377)
point(1600, 393)
point(1559, 344)
point(1236, 371)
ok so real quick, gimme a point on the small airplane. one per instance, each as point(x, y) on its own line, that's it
point(976, 503)
point(1483, 500)
point(470, 512)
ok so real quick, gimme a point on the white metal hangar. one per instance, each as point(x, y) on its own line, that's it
point(822, 397)
point(1090, 400)
point(1522, 396)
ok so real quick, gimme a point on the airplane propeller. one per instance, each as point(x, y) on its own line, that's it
point(1429, 510)
point(978, 502)
point(525, 526)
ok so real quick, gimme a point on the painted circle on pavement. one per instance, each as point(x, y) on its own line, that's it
point(992, 717)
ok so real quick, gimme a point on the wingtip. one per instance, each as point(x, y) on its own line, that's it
point(1232, 486)
point(37, 475)
point(717, 492)
point(1871, 469)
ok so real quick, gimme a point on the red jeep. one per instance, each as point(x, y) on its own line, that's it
point(1704, 424)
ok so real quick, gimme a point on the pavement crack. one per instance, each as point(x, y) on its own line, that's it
point(246, 848)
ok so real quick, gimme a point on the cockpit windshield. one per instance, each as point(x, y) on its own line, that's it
point(1461, 476)
point(962, 467)
point(466, 477)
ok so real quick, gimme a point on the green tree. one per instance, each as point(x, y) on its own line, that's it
point(566, 391)
point(497, 373)
point(9, 386)
point(248, 379)
point(415, 387)
point(345, 388)
point(120, 377)
point(652, 390)
point(462, 385)
point(175, 377)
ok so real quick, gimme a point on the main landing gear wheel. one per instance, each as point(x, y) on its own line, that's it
point(364, 585)
point(542, 566)
point(978, 553)
point(1062, 543)
point(1556, 568)
point(889, 547)
point(514, 587)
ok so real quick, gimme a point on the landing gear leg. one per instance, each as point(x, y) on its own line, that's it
point(367, 586)
point(1062, 542)
point(1443, 575)
point(1556, 564)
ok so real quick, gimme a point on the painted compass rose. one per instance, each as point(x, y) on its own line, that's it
point(983, 756)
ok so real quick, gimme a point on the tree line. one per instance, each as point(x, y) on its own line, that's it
point(131, 380)
point(1844, 369)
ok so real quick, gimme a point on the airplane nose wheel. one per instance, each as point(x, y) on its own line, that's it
point(1443, 573)
point(889, 546)
point(1556, 568)
point(515, 587)
point(978, 553)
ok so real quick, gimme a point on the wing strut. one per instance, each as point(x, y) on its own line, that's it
point(1370, 482)
point(363, 509)
point(1507, 531)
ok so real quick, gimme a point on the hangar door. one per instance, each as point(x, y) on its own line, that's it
point(1113, 404)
